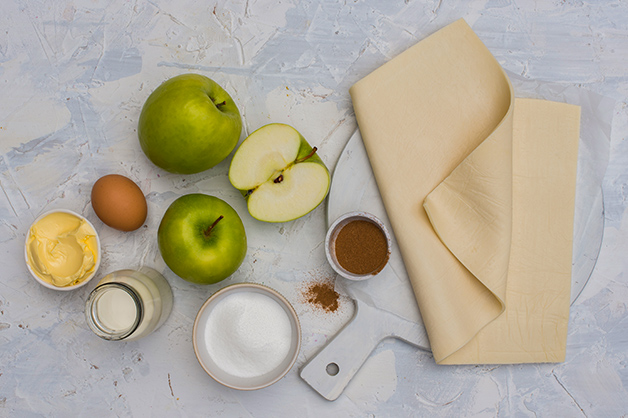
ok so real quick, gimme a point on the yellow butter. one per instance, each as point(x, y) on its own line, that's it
point(62, 249)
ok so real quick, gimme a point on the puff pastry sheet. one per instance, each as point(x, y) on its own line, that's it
point(479, 187)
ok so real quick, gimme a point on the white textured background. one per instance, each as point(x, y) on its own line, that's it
point(73, 78)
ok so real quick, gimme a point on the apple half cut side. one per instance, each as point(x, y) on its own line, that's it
point(279, 174)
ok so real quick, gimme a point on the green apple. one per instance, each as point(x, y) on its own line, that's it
point(279, 174)
point(189, 124)
point(201, 238)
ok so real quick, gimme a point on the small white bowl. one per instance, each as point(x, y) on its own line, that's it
point(222, 376)
point(50, 285)
point(332, 234)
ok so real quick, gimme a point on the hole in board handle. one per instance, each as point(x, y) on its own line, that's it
point(332, 369)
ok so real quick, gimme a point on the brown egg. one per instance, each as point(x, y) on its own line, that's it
point(119, 202)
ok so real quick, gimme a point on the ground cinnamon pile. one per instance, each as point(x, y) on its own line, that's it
point(322, 295)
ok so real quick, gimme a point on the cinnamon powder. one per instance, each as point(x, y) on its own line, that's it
point(361, 247)
point(322, 295)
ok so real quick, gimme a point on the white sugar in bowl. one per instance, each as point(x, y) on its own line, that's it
point(247, 336)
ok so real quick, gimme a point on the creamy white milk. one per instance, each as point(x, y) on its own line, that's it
point(129, 304)
point(116, 309)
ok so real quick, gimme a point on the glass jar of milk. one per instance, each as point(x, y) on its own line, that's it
point(129, 304)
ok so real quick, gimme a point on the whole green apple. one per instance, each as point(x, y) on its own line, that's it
point(189, 124)
point(202, 239)
point(279, 173)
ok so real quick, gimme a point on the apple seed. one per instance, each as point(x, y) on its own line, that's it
point(279, 178)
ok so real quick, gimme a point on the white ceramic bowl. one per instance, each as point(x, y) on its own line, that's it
point(332, 234)
point(50, 285)
point(225, 378)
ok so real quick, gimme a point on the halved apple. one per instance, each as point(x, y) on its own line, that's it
point(279, 174)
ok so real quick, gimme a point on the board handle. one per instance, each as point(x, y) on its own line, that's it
point(331, 370)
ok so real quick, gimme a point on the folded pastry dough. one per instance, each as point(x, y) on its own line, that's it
point(479, 188)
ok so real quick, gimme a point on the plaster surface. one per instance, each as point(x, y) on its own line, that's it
point(73, 77)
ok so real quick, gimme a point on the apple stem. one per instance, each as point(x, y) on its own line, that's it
point(300, 160)
point(208, 231)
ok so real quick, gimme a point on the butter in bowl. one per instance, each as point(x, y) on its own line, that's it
point(62, 250)
point(247, 336)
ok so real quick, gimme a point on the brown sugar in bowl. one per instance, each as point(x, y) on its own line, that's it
point(358, 245)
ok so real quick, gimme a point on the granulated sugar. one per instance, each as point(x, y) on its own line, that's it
point(248, 334)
